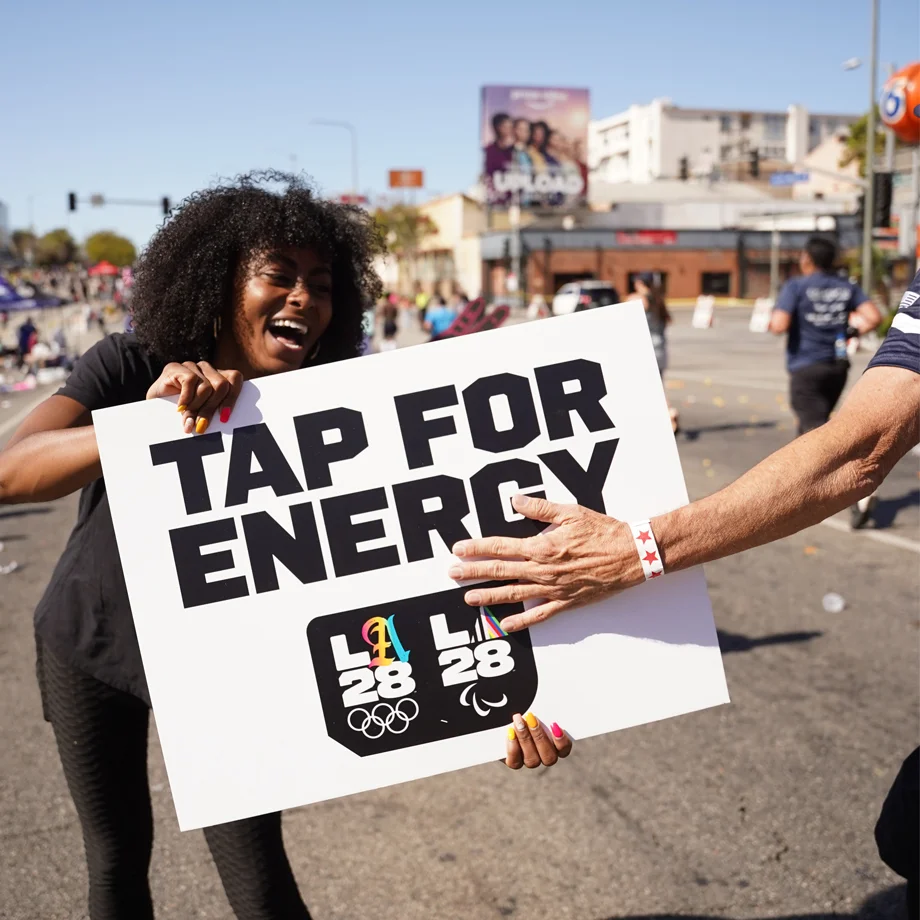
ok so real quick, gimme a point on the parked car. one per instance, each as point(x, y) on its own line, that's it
point(584, 295)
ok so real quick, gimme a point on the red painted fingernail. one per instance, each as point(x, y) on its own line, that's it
point(225, 415)
point(557, 731)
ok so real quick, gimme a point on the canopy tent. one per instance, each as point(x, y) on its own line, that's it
point(104, 268)
point(12, 301)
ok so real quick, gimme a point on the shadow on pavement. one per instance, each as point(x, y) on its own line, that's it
point(887, 508)
point(692, 434)
point(735, 642)
point(890, 904)
point(22, 512)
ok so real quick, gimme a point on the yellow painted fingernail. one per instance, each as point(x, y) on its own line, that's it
point(531, 720)
point(511, 733)
point(201, 426)
point(181, 408)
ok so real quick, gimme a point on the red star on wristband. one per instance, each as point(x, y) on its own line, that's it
point(644, 536)
point(650, 557)
point(654, 574)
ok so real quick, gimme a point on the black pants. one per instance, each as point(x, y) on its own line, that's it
point(896, 832)
point(814, 391)
point(101, 735)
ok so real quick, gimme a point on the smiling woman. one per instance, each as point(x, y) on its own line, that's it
point(247, 279)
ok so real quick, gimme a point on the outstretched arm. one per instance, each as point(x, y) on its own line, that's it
point(52, 453)
point(589, 556)
point(806, 481)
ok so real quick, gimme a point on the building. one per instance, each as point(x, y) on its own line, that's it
point(650, 142)
point(700, 204)
point(724, 262)
point(447, 260)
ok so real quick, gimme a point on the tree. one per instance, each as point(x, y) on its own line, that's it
point(404, 228)
point(855, 148)
point(25, 244)
point(57, 247)
point(107, 246)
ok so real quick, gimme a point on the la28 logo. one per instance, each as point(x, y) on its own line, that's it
point(419, 670)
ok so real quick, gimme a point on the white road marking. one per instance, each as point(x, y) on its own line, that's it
point(880, 536)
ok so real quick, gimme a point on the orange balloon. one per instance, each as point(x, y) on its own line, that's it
point(900, 103)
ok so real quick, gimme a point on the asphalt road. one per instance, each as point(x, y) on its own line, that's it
point(763, 808)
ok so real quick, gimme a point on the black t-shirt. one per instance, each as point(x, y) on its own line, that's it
point(84, 617)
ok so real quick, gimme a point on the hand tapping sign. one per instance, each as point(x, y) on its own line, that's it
point(584, 557)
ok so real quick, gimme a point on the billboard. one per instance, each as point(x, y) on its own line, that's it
point(534, 144)
point(406, 178)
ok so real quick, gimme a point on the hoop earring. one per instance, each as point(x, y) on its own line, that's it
point(315, 352)
point(217, 324)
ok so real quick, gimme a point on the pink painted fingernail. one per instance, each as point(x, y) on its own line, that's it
point(474, 599)
point(225, 415)
point(556, 730)
point(189, 425)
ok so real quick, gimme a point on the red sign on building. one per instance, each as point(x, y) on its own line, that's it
point(406, 178)
point(646, 238)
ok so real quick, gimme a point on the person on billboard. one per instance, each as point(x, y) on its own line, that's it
point(247, 279)
point(539, 134)
point(499, 152)
point(520, 160)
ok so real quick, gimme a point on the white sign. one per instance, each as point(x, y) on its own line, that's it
point(703, 312)
point(288, 570)
point(760, 315)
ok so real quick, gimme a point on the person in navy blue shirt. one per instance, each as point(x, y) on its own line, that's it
point(817, 311)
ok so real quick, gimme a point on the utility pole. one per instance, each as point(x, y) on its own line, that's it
point(869, 213)
point(514, 218)
point(774, 261)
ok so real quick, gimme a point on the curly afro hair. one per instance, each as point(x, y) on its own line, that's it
point(188, 275)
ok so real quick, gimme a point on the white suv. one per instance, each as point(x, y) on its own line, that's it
point(584, 295)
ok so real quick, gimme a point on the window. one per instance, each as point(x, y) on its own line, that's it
point(716, 283)
point(774, 127)
point(725, 123)
point(745, 122)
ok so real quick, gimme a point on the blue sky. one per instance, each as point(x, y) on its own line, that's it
point(144, 100)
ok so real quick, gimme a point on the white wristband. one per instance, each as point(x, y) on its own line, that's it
point(649, 556)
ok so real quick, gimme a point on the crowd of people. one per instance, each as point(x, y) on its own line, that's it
point(73, 284)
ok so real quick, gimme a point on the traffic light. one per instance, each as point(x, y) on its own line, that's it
point(684, 168)
point(165, 206)
point(755, 163)
point(881, 199)
point(71, 201)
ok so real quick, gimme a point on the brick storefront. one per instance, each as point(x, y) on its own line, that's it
point(731, 263)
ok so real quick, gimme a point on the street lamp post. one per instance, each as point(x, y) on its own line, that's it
point(868, 215)
point(329, 123)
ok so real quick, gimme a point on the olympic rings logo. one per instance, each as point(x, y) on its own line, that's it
point(374, 724)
